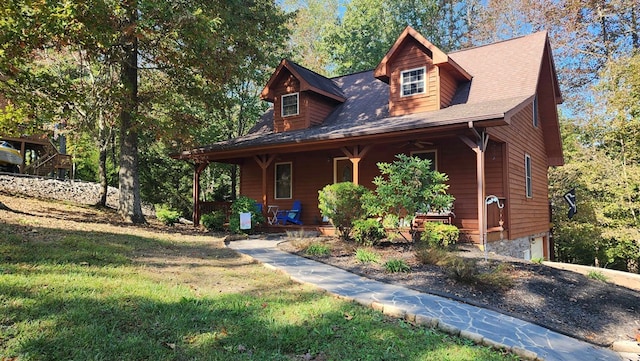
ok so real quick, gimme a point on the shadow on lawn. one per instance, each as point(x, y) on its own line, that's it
point(64, 295)
point(227, 327)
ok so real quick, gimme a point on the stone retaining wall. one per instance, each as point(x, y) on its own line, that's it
point(64, 190)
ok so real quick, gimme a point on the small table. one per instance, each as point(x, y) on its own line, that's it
point(272, 212)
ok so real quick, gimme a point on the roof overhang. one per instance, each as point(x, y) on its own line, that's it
point(385, 130)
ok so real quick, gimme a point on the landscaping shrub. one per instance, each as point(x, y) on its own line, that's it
point(466, 270)
point(244, 204)
point(213, 221)
point(408, 185)
point(439, 235)
point(391, 221)
point(396, 265)
point(499, 278)
point(366, 256)
point(342, 204)
point(368, 232)
point(462, 269)
point(435, 256)
point(167, 215)
point(318, 250)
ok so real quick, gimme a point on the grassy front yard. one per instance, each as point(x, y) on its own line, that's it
point(76, 286)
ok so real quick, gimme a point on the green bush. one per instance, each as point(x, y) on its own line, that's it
point(342, 204)
point(213, 221)
point(365, 256)
point(439, 235)
point(406, 186)
point(368, 232)
point(244, 204)
point(391, 221)
point(318, 250)
point(167, 215)
point(396, 265)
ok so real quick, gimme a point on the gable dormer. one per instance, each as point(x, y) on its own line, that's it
point(300, 97)
point(420, 76)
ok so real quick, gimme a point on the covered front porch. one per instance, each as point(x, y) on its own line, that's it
point(475, 166)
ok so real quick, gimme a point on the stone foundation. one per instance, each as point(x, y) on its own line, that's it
point(514, 248)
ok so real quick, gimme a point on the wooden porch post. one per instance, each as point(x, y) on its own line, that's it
point(355, 156)
point(199, 167)
point(23, 148)
point(264, 160)
point(479, 148)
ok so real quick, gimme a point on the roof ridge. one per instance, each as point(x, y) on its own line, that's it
point(537, 33)
point(305, 68)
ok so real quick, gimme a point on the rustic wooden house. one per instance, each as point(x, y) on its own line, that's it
point(486, 116)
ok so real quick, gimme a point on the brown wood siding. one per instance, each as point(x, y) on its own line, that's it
point(411, 56)
point(288, 85)
point(318, 108)
point(448, 87)
point(527, 216)
point(458, 161)
point(251, 180)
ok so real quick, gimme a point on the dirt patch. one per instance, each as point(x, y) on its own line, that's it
point(564, 301)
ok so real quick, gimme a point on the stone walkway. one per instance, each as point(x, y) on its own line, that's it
point(483, 326)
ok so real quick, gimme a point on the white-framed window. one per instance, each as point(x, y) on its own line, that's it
point(413, 81)
point(432, 155)
point(527, 175)
point(283, 183)
point(535, 112)
point(342, 170)
point(290, 104)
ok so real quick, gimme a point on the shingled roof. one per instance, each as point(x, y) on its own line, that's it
point(309, 80)
point(505, 77)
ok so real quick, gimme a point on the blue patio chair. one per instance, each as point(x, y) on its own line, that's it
point(290, 215)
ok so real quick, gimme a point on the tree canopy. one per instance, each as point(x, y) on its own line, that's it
point(188, 48)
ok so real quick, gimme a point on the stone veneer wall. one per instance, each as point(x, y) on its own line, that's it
point(514, 248)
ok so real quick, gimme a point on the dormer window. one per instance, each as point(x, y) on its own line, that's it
point(413, 82)
point(290, 105)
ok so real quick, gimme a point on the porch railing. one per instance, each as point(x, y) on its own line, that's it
point(208, 207)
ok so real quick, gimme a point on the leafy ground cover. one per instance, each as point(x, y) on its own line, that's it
point(76, 284)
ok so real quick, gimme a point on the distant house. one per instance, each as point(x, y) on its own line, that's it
point(486, 116)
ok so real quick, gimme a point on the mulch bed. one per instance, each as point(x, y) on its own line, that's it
point(567, 302)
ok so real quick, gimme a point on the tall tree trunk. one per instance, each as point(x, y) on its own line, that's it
point(129, 203)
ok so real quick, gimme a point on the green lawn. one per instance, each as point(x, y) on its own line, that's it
point(114, 293)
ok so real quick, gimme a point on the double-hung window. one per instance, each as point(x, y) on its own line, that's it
point(413, 81)
point(290, 105)
point(527, 175)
